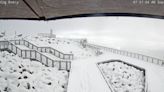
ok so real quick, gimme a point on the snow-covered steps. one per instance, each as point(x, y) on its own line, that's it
point(35, 55)
point(50, 50)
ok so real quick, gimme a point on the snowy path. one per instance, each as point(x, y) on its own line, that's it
point(85, 76)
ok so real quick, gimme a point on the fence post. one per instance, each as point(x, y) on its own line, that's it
point(66, 65)
point(12, 47)
point(59, 65)
point(35, 55)
point(19, 41)
point(41, 58)
point(147, 58)
point(25, 53)
point(47, 61)
point(30, 54)
point(21, 52)
point(16, 50)
point(53, 63)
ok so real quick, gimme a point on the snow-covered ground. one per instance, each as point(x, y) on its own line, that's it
point(23, 75)
point(122, 77)
point(85, 76)
point(66, 46)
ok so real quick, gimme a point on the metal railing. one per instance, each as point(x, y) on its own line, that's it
point(36, 55)
point(129, 54)
point(44, 49)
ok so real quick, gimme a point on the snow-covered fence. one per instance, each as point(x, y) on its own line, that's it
point(35, 55)
point(50, 50)
point(3, 44)
point(129, 54)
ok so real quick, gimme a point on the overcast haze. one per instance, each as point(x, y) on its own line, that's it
point(143, 35)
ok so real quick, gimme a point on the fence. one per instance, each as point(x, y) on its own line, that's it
point(44, 49)
point(36, 55)
point(129, 54)
point(3, 44)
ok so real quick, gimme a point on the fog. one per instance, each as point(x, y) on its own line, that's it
point(142, 35)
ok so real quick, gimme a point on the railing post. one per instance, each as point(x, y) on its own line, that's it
point(19, 41)
point(53, 63)
point(16, 50)
point(59, 65)
point(47, 61)
point(25, 53)
point(21, 53)
point(59, 54)
point(66, 65)
point(12, 47)
point(30, 54)
point(41, 58)
point(35, 55)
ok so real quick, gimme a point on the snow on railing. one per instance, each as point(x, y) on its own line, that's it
point(44, 49)
point(36, 55)
point(129, 54)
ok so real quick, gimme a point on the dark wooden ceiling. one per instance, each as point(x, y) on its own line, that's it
point(54, 9)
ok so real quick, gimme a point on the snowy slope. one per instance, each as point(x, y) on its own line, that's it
point(23, 75)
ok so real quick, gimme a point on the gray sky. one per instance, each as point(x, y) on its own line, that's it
point(130, 33)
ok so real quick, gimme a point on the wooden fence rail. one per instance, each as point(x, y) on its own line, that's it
point(36, 55)
point(129, 54)
point(50, 50)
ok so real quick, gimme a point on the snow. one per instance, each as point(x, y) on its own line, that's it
point(122, 77)
point(52, 56)
point(23, 75)
point(66, 46)
point(22, 47)
point(85, 76)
